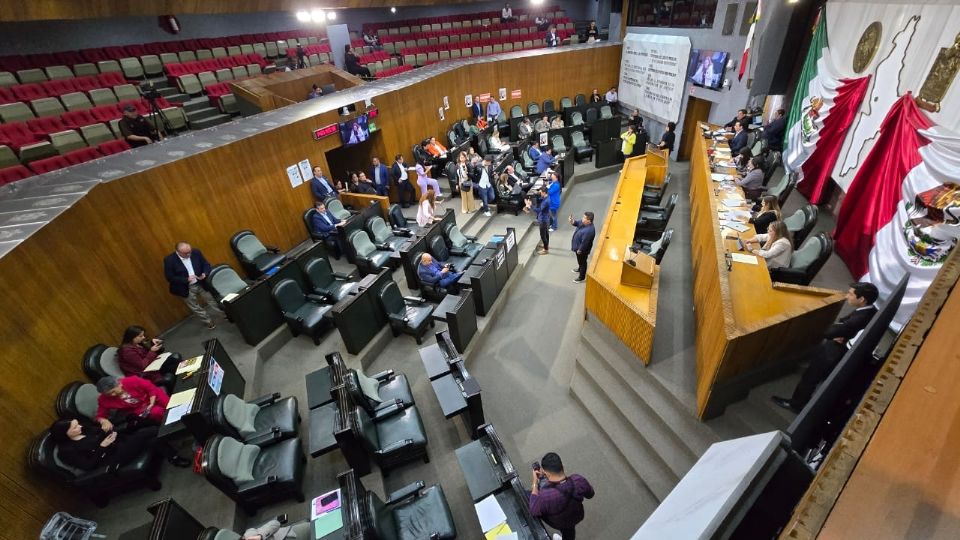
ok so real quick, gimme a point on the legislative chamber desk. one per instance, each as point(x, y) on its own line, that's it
point(628, 310)
point(747, 326)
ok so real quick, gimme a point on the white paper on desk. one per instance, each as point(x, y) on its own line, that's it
point(155, 365)
point(189, 365)
point(489, 513)
point(181, 398)
point(743, 258)
point(720, 177)
point(729, 164)
point(511, 536)
point(733, 203)
point(176, 413)
point(739, 227)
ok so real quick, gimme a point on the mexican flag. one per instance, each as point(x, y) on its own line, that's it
point(824, 106)
point(746, 48)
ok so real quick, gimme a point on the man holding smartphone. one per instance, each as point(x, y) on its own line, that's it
point(557, 499)
point(582, 243)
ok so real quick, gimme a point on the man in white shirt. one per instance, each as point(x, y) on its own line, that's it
point(611, 97)
point(401, 175)
point(506, 14)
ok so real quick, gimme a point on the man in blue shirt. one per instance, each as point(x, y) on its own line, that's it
point(553, 190)
point(380, 177)
point(543, 220)
point(325, 225)
point(493, 110)
point(534, 151)
point(545, 161)
point(582, 243)
point(431, 272)
point(320, 186)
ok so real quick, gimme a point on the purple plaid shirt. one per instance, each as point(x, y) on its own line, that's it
point(560, 505)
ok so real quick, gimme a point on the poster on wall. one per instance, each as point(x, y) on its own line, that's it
point(503, 94)
point(306, 170)
point(440, 110)
point(483, 98)
point(468, 100)
point(446, 103)
point(652, 74)
point(293, 174)
point(516, 94)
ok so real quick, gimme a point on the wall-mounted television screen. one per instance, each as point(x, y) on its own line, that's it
point(706, 68)
point(354, 131)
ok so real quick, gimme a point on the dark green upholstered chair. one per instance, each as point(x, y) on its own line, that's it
point(409, 315)
point(332, 286)
point(304, 313)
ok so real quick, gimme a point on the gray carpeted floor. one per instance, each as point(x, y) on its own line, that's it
point(524, 364)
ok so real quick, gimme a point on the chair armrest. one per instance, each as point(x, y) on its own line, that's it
point(788, 275)
point(458, 252)
point(293, 319)
point(272, 249)
point(263, 484)
point(341, 275)
point(273, 435)
point(383, 247)
point(91, 477)
point(384, 375)
point(471, 238)
point(419, 300)
point(400, 231)
point(318, 298)
point(394, 446)
point(652, 208)
point(397, 318)
point(409, 490)
point(266, 400)
point(391, 409)
point(642, 221)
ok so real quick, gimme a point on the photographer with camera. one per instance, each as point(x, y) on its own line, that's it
point(431, 272)
point(135, 129)
point(557, 499)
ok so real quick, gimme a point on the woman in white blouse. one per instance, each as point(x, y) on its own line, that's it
point(425, 213)
point(775, 246)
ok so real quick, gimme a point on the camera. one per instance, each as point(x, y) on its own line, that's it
point(150, 93)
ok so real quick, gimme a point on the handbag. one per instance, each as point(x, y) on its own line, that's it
point(466, 185)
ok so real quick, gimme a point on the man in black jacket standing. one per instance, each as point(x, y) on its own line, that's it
point(582, 243)
point(824, 357)
point(186, 270)
point(773, 132)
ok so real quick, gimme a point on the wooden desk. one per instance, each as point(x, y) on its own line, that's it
point(360, 201)
point(746, 324)
point(629, 312)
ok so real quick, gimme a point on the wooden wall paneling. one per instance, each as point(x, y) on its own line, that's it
point(98, 267)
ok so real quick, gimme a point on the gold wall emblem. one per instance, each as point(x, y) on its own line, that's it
point(867, 46)
point(938, 81)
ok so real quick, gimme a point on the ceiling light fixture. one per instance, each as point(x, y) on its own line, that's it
point(332, 15)
point(303, 16)
point(393, 10)
point(317, 15)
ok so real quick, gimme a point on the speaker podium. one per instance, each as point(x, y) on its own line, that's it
point(637, 269)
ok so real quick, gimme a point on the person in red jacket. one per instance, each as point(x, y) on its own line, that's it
point(130, 396)
point(137, 352)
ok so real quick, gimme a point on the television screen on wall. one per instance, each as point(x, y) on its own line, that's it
point(706, 68)
point(354, 131)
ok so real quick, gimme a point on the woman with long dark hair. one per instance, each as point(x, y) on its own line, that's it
point(86, 446)
point(137, 352)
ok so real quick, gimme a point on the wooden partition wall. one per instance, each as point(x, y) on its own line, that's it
point(282, 88)
point(629, 312)
point(98, 267)
point(746, 324)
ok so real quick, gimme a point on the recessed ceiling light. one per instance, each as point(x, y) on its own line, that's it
point(303, 16)
point(393, 10)
point(317, 15)
point(332, 15)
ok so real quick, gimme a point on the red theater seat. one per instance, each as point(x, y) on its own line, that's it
point(6, 96)
point(14, 173)
point(17, 134)
point(111, 79)
point(77, 119)
point(106, 113)
point(28, 92)
point(86, 84)
point(58, 87)
point(50, 164)
point(46, 125)
point(81, 155)
point(113, 147)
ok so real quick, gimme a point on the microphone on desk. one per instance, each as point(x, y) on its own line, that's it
point(729, 259)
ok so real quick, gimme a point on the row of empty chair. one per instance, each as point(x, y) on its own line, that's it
point(75, 157)
point(242, 44)
point(221, 69)
point(421, 56)
point(391, 71)
point(405, 26)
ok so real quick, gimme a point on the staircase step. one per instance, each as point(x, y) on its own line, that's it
point(168, 91)
point(200, 114)
point(649, 391)
point(177, 97)
point(196, 104)
point(643, 417)
point(643, 460)
point(211, 121)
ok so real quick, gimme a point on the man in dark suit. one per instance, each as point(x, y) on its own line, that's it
point(824, 357)
point(739, 140)
point(552, 39)
point(476, 109)
point(740, 117)
point(324, 224)
point(320, 186)
point(582, 243)
point(186, 270)
point(402, 176)
point(380, 177)
point(430, 271)
point(773, 132)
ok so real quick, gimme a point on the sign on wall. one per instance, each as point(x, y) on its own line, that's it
point(306, 170)
point(652, 74)
point(293, 174)
point(503, 94)
point(516, 94)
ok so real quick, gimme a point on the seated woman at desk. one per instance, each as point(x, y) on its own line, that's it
point(87, 446)
point(426, 211)
point(495, 142)
point(137, 352)
point(775, 246)
point(768, 213)
point(130, 397)
point(752, 183)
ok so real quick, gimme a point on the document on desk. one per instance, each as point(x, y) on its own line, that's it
point(720, 177)
point(743, 258)
point(733, 203)
point(739, 227)
point(176, 413)
point(189, 365)
point(500, 532)
point(489, 513)
point(156, 364)
point(180, 398)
